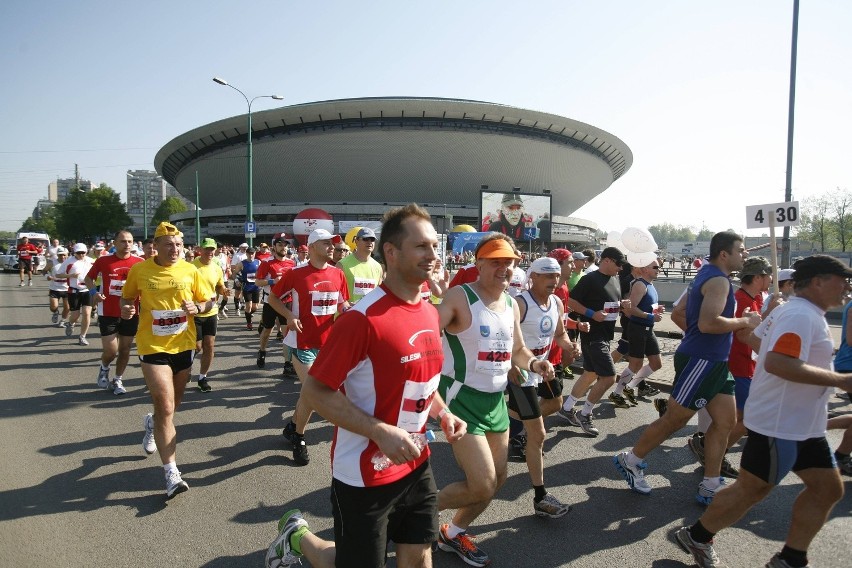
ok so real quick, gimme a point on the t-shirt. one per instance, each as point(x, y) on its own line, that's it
point(843, 359)
point(77, 271)
point(597, 291)
point(467, 274)
point(361, 277)
point(779, 408)
point(113, 272)
point(573, 279)
point(60, 278)
point(316, 295)
point(561, 292)
point(163, 325)
point(385, 355)
point(273, 269)
point(26, 251)
point(741, 362)
point(213, 278)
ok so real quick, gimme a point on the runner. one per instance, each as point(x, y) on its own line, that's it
point(26, 252)
point(269, 273)
point(79, 296)
point(206, 325)
point(246, 272)
point(362, 271)
point(58, 288)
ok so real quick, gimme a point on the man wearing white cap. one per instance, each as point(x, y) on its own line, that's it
point(79, 297)
point(58, 287)
point(317, 290)
point(363, 272)
point(541, 314)
point(784, 293)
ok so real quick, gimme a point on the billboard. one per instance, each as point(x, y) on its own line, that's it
point(522, 216)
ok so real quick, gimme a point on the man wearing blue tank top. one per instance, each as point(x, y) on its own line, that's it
point(702, 379)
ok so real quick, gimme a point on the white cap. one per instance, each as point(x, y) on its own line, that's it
point(80, 247)
point(61, 250)
point(321, 235)
point(545, 265)
point(244, 245)
point(785, 274)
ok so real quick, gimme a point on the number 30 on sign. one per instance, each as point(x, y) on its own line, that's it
point(776, 214)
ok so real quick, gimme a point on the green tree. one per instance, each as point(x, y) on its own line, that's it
point(841, 217)
point(815, 225)
point(668, 232)
point(84, 215)
point(45, 224)
point(167, 208)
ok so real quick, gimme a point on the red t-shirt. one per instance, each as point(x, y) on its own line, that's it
point(385, 355)
point(740, 362)
point(113, 271)
point(467, 274)
point(317, 293)
point(561, 292)
point(263, 255)
point(26, 251)
point(274, 268)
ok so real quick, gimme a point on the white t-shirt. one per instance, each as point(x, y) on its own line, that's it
point(779, 408)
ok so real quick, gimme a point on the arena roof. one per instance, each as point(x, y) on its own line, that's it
point(397, 149)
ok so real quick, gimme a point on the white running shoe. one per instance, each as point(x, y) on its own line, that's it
point(280, 554)
point(634, 475)
point(69, 329)
point(103, 378)
point(705, 494)
point(31, 283)
point(704, 554)
point(62, 323)
point(118, 387)
point(55, 317)
point(148, 442)
point(83, 340)
point(174, 484)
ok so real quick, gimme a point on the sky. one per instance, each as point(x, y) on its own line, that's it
point(698, 90)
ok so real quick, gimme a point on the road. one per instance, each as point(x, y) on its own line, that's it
point(77, 490)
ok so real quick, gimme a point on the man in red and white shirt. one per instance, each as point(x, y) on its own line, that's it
point(317, 290)
point(376, 379)
point(268, 274)
point(26, 254)
point(116, 333)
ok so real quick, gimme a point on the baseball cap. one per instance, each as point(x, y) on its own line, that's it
point(264, 245)
point(756, 266)
point(509, 198)
point(560, 254)
point(166, 229)
point(496, 248)
point(99, 246)
point(818, 265)
point(322, 234)
point(614, 254)
point(366, 233)
point(302, 248)
point(80, 247)
point(579, 256)
point(61, 250)
point(208, 243)
point(785, 274)
point(243, 246)
point(279, 240)
point(545, 265)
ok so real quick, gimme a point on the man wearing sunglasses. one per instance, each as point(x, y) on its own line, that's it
point(363, 272)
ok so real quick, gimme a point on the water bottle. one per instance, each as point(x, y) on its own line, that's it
point(382, 462)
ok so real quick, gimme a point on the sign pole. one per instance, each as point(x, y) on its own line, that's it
point(774, 246)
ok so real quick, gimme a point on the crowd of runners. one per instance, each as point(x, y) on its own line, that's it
point(382, 339)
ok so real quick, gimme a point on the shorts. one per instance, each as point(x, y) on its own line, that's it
point(57, 294)
point(524, 400)
point(366, 518)
point(742, 385)
point(597, 357)
point(205, 326)
point(482, 411)
point(177, 361)
point(110, 326)
point(25, 264)
point(77, 300)
point(643, 341)
point(252, 296)
point(622, 346)
point(771, 459)
point(697, 381)
point(268, 317)
point(305, 356)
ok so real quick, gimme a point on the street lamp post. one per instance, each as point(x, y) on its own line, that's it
point(250, 198)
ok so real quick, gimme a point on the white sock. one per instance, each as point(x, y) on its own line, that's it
point(202, 377)
point(632, 459)
point(712, 482)
point(117, 378)
point(625, 377)
point(641, 375)
point(569, 403)
point(587, 408)
point(453, 531)
point(619, 388)
point(103, 368)
point(170, 467)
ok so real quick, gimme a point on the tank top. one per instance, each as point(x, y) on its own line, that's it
point(480, 356)
point(538, 328)
point(647, 304)
point(709, 346)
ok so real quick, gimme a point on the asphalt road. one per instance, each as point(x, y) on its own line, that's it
point(77, 490)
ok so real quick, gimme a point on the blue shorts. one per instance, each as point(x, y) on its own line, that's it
point(305, 356)
point(741, 387)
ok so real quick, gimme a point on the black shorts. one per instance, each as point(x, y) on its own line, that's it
point(177, 361)
point(771, 459)
point(643, 341)
point(252, 296)
point(269, 315)
point(524, 400)
point(26, 264)
point(366, 518)
point(596, 356)
point(125, 328)
point(57, 294)
point(77, 300)
point(205, 326)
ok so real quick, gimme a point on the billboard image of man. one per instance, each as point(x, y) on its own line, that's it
point(512, 219)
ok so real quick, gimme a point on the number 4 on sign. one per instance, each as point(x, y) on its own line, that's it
point(773, 215)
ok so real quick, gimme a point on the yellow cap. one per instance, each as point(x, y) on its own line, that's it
point(166, 229)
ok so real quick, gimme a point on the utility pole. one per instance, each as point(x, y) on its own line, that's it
point(788, 190)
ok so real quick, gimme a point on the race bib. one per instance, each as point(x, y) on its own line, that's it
point(494, 357)
point(611, 309)
point(363, 286)
point(251, 276)
point(415, 404)
point(168, 322)
point(323, 303)
point(115, 287)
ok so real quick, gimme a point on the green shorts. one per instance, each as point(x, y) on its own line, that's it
point(697, 381)
point(482, 411)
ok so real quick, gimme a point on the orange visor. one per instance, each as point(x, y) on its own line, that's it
point(496, 248)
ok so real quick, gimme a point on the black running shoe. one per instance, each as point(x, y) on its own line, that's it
point(300, 452)
point(518, 448)
point(261, 359)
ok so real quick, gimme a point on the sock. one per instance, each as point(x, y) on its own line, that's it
point(170, 467)
point(625, 377)
point(296, 539)
point(619, 388)
point(202, 377)
point(117, 378)
point(641, 375)
point(587, 408)
point(700, 534)
point(632, 459)
point(569, 403)
point(712, 482)
point(793, 557)
point(515, 427)
point(104, 367)
point(453, 531)
point(540, 492)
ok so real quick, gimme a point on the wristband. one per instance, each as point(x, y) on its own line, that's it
point(443, 412)
point(531, 363)
point(650, 317)
point(93, 292)
point(590, 313)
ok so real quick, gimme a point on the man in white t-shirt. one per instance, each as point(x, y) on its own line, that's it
point(786, 417)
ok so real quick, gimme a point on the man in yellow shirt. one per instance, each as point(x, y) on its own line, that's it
point(171, 292)
point(205, 326)
point(363, 272)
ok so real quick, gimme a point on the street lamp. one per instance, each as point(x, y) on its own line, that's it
point(250, 198)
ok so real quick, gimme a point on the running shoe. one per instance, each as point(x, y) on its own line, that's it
point(518, 448)
point(249, 327)
point(647, 390)
point(704, 554)
point(845, 465)
point(174, 484)
point(83, 340)
point(280, 554)
point(289, 432)
point(661, 405)
point(279, 336)
point(569, 415)
point(55, 317)
point(619, 401)
point(62, 323)
point(22, 284)
point(551, 507)
point(103, 378)
point(778, 562)
point(224, 313)
point(204, 386)
point(31, 283)
point(464, 546)
point(728, 469)
point(630, 396)
point(696, 444)
point(705, 494)
point(148, 442)
point(586, 424)
point(634, 475)
point(69, 329)
point(118, 387)
point(300, 452)
point(261, 359)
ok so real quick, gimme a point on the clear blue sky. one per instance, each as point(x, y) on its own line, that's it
point(698, 90)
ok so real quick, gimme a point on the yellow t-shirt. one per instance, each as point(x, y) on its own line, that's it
point(163, 326)
point(212, 277)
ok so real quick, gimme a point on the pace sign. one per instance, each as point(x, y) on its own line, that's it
point(773, 214)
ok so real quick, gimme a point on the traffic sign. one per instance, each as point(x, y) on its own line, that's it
point(774, 214)
point(250, 227)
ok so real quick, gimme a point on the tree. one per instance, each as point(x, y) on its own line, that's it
point(168, 207)
point(45, 224)
point(815, 225)
point(667, 232)
point(841, 217)
point(86, 215)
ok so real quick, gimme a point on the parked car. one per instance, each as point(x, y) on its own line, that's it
point(9, 263)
